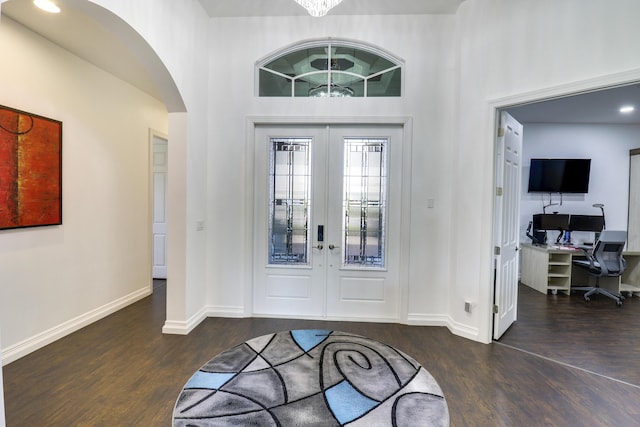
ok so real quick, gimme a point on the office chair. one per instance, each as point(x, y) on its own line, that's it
point(604, 261)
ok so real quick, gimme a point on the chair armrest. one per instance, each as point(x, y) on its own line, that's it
point(589, 254)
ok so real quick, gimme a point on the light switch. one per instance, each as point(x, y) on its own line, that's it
point(431, 203)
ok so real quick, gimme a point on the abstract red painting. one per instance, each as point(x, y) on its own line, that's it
point(30, 170)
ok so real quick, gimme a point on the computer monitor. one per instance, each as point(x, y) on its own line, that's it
point(593, 223)
point(551, 222)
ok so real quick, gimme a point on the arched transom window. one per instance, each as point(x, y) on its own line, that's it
point(330, 68)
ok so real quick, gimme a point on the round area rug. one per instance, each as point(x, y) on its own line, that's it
point(311, 378)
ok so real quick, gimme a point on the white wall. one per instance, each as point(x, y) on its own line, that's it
point(170, 37)
point(500, 48)
point(608, 148)
point(508, 48)
point(425, 43)
point(55, 279)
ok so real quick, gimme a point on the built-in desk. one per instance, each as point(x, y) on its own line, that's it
point(550, 268)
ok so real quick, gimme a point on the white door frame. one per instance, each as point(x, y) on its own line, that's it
point(405, 227)
point(493, 111)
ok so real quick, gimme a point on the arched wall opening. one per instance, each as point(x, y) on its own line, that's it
point(177, 156)
point(82, 305)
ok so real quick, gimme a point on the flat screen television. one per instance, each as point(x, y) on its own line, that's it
point(559, 175)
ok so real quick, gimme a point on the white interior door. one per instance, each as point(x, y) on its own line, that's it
point(327, 221)
point(159, 208)
point(508, 178)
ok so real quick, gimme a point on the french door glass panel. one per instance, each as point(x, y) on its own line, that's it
point(364, 202)
point(289, 200)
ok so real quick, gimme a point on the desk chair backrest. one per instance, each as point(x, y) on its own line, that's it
point(608, 252)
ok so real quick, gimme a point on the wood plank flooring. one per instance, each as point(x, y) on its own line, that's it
point(596, 336)
point(122, 371)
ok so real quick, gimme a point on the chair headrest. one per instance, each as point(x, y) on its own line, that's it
point(613, 236)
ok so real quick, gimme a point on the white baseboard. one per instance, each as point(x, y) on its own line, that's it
point(427, 320)
point(182, 327)
point(16, 351)
point(464, 331)
point(443, 320)
point(225, 311)
point(179, 327)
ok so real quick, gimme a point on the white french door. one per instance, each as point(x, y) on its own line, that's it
point(327, 221)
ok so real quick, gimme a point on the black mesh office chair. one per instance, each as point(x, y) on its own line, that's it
point(604, 261)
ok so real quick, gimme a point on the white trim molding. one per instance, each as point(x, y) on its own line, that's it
point(29, 345)
point(454, 327)
point(176, 327)
point(180, 327)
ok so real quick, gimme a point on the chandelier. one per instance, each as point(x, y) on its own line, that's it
point(334, 90)
point(318, 8)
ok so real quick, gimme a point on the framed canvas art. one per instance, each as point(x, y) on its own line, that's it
point(30, 170)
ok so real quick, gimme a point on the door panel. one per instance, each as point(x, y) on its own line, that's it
point(508, 177)
point(289, 270)
point(336, 178)
point(159, 208)
point(364, 202)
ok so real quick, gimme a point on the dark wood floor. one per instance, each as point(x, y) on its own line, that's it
point(596, 336)
point(121, 371)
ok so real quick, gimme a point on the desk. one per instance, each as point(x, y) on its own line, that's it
point(550, 268)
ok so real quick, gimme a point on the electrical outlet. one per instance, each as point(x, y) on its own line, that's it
point(467, 306)
point(199, 225)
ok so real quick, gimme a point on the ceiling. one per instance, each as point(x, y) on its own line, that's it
point(84, 37)
point(229, 8)
point(599, 107)
point(87, 39)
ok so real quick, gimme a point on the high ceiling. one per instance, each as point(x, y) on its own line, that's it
point(85, 38)
point(228, 8)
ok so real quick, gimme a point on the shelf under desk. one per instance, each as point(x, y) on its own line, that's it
point(550, 268)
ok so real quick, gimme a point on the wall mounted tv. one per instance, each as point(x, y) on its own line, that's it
point(559, 175)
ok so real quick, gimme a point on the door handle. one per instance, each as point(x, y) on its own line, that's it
point(332, 246)
point(318, 247)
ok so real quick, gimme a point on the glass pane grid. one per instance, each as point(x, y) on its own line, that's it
point(343, 71)
point(289, 195)
point(364, 202)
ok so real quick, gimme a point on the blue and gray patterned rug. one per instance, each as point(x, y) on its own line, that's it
point(311, 378)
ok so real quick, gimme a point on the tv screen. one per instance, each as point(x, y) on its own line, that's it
point(559, 175)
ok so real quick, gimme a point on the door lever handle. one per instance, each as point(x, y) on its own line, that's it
point(332, 246)
point(318, 247)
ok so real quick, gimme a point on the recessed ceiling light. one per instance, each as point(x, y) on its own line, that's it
point(47, 6)
point(627, 109)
